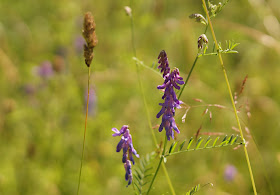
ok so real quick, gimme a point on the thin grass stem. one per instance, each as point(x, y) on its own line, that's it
point(160, 161)
point(145, 102)
point(231, 96)
point(81, 166)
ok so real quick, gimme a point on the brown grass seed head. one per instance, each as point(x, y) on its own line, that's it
point(90, 37)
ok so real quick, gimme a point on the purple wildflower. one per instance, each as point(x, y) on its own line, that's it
point(171, 80)
point(164, 64)
point(45, 70)
point(128, 172)
point(230, 172)
point(128, 149)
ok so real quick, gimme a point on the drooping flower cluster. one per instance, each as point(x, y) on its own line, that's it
point(171, 80)
point(128, 149)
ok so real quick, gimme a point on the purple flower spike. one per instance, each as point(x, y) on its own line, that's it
point(171, 80)
point(128, 172)
point(164, 64)
point(128, 149)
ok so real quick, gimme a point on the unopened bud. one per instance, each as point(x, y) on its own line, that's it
point(198, 18)
point(128, 11)
point(202, 39)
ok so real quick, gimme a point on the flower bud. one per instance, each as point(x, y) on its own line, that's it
point(202, 39)
point(199, 18)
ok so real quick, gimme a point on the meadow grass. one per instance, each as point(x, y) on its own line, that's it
point(46, 91)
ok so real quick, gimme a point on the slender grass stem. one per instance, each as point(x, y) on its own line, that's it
point(140, 81)
point(160, 161)
point(230, 94)
point(84, 134)
point(145, 102)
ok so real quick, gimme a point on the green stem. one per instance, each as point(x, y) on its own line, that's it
point(189, 75)
point(140, 81)
point(145, 102)
point(231, 96)
point(81, 166)
point(160, 161)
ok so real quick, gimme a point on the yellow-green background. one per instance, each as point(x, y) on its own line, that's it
point(41, 133)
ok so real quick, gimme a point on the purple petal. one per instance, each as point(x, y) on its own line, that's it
point(180, 82)
point(161, 86)
point(117, 133)
point(120, 145)
point(123, 129)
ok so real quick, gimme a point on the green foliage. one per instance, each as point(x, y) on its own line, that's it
point(215, 9)
point(230, 45)
point(153, 67)
point(41, 131)
point(196, 188)
point(142, 173)
point(226, 141)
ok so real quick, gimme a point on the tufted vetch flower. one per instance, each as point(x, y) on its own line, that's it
point(163, 63)
point(171, 80)
point(126, 145)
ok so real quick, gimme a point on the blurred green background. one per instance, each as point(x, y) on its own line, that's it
point(43, 82)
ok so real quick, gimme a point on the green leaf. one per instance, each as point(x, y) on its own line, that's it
point(227, 141)
point(193, 190)
point(142, 172)
point(233, 140)
point(196, 188)
point(214, 143)
point(224, 138)
point(230, 139)
point(190, 143)
point(198, 143)
point(207, 142)
point(182, 145)
point(173, 148)
point(139, 190)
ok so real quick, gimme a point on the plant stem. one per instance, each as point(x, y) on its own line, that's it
point(189, 75)
point(160, 161)
point(145, 102)
point(186, 81)
point(84, 134)
point(140, 81)
point(230, 94)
